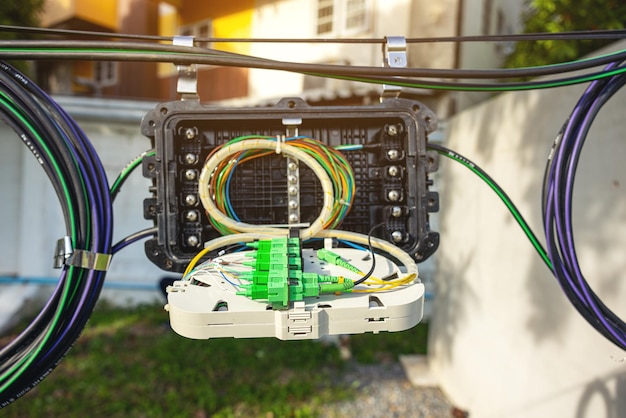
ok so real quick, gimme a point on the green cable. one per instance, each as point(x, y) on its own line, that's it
point(339, 167)
point(402, 83)
point(16, 370)
point(501, 194)
point(8, 104)
point(21, 366)
point(504, 87)
point(127, 170)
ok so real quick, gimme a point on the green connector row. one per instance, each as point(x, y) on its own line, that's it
point(278, 277)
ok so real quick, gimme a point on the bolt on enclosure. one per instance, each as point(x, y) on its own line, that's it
point(389, 159)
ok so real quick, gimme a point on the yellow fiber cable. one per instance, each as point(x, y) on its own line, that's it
point(225, 152)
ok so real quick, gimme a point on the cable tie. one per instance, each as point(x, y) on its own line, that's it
point(89, 260)
point(279, 140)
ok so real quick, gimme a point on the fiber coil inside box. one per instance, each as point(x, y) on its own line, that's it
point(391, 171)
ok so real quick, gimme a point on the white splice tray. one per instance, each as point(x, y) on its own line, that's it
point(216, 311)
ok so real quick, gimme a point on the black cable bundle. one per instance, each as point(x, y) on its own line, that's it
point(77, 175)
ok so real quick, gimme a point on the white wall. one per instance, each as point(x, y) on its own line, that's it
point(483, 55)
point(408, 18)
point(297, 19)
point(505, 342)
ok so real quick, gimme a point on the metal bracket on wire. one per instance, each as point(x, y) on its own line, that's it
point(394, 56)
point(65, 254)
point(187, 84)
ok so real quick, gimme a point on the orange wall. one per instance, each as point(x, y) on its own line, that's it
point(100, 12)
point(231, 19)
point(191, 11)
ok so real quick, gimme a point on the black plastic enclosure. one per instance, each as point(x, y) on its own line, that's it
point(391, 171)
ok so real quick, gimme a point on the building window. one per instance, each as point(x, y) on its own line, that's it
point(199, 30)
point(104, 74)
point(325, 13)
point(356, 15)
point(343, 17)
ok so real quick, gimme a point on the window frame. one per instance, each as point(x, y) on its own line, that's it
point(110, 70)
point(339, 20)
point(195, 29)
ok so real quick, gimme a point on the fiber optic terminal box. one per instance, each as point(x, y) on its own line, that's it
point(390, 162)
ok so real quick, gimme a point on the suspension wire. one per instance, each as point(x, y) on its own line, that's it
point(541, 36)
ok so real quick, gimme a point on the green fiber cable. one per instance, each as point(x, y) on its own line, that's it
point(128, 169)
point(501, 88)
point(502, 195)
point(16, 370)
point(7, 104)
point(21, 366)
point(400, 82)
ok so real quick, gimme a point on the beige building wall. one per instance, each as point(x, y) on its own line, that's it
point(505, 341)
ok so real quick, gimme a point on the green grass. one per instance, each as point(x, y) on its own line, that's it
point(128, 363)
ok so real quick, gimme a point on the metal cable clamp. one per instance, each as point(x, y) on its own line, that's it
point(65, 255)
point(394, 56)
point(187, 84)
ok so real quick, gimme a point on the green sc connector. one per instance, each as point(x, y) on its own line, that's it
point(278, 290)
point(346, 286)
point(335, 259)
point(278, 277)
point(254, 291)
point(258, 277)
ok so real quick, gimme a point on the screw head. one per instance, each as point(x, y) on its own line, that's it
point(393, 154)
point(191, 158)
point(190, 174)
point(396, 211)
point(192, 240)
point(191, 216)
point(393, 195)
point(190, 133)
point(191, 200)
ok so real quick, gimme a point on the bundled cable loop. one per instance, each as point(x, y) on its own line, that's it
point(80, 183)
